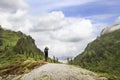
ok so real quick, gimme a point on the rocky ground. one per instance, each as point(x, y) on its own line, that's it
point(52, 71)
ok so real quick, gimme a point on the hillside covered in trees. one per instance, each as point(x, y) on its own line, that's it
point(16, 48)
point(102, 55)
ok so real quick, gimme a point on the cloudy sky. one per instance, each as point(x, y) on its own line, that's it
point(65, 26)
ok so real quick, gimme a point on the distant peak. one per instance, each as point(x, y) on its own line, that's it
point(110, 29)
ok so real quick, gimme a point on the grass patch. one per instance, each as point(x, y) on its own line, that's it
point(109, 76)
point(21, 67)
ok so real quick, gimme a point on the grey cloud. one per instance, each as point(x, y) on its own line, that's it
point(73, 39)
point(65, 57)
point(37, 29)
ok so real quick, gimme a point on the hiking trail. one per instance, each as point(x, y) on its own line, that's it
point(51, 71)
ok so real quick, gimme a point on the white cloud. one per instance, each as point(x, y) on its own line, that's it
point(12, 5)
point(100, 17)
point(14, 21)
point(74, 30)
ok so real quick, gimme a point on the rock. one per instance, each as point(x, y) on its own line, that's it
point(10, 77)
point(102, 78)
point(17, 77)
point(0, 78)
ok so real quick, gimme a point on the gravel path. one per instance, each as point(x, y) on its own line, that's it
point(52, 71)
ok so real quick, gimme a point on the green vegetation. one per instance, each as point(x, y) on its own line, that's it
point(16, 47)
point(102, 56)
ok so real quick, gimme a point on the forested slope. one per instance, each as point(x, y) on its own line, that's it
point(102, 55)
point(17, 48)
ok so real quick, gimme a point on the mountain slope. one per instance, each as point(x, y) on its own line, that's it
point(102, 55)
point(16, 47)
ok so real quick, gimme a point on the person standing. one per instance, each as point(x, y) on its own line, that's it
point(46, 53)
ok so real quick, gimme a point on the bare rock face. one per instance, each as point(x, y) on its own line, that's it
point(110, 29)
